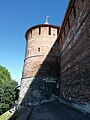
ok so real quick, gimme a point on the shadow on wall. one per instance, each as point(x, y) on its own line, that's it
point(45, 84)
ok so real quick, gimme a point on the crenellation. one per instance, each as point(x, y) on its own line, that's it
point(58, 56)
point(37, 64)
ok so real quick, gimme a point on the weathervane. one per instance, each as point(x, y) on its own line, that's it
point(47, 20)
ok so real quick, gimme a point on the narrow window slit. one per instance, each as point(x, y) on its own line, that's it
point(39, 49)
point(39, 30)
point(49, 30)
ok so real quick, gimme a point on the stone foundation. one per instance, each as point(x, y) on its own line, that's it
point(38, 90)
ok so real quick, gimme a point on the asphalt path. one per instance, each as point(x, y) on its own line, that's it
point(56, 111)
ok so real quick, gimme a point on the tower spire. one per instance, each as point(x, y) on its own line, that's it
point(46, 22)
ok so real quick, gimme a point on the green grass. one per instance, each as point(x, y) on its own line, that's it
point(16, 114)
point(6, 115)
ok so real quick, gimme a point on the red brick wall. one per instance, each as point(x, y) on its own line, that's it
point(75, 53)
point(41, 51)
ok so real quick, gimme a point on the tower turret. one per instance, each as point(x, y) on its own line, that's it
point(40, 63)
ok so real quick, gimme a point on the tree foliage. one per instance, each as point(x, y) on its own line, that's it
point(8, 89)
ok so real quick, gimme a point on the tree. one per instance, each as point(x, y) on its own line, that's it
point(7, 90)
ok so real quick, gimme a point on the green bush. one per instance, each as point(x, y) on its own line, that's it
point(8, 90)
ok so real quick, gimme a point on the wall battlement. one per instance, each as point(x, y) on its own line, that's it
point(58, 57)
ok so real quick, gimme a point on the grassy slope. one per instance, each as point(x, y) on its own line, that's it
point(18, 113)
point(6, 115)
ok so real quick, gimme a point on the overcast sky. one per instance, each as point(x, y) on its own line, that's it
point(16, 16)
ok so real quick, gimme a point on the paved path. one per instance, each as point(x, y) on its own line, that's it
point(56, 111)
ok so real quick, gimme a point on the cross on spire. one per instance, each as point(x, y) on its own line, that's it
point(47, 20)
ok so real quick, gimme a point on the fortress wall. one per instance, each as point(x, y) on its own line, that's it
point(75, 52)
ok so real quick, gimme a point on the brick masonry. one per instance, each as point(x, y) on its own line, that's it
point(41, 67)
point(62, 60)
point(75, 53)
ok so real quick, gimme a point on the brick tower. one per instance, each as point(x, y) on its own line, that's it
point(40, 72)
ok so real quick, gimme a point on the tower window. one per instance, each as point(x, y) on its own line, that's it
point(39, 49)
point(57, 31)
point(49, 30)
point(39, 30)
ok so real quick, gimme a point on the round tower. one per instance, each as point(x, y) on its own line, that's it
point(40, 62)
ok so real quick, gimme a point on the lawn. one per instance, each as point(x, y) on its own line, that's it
point(6, 115)
point(16, 114)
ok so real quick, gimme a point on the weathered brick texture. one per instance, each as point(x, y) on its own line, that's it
point(41, 67)
point(39, 49)
point(75, 53)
